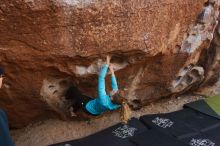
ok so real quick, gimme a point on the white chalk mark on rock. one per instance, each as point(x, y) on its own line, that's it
point(82, 3)
point(95, 67)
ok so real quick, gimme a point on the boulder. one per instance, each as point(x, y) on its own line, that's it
point(158, 48)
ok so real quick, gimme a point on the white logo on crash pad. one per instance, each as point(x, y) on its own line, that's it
point(162, 122)
point(201, 142)
point(124, 131)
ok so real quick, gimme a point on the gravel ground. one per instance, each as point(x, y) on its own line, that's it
point(53, 130)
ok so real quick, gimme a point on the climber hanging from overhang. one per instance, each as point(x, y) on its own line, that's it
point(104, 102)
point(5, 138)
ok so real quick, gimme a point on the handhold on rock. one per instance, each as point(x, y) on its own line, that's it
point(187, 76)
point(217, 2)
point(205, 16)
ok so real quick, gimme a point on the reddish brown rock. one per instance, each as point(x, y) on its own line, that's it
point(46, 44)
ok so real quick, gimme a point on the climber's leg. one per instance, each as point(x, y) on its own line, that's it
point(78, 100)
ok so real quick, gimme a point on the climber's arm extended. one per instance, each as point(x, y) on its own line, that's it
point(113, 79)
point(101, 79)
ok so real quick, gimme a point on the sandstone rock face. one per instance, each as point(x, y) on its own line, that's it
point(159, 48)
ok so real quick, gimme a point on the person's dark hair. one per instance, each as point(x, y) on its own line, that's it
point(119, 97)
point(2, 72)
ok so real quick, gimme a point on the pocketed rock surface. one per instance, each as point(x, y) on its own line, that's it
point(159, 49)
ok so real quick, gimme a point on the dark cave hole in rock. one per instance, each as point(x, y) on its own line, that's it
point(178, 78)
point(189, 79)
point(136, 104)
point(195, 73)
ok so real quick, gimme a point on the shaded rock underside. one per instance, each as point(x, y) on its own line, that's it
point(159, 49)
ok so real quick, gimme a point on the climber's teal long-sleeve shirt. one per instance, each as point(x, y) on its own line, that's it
point(103, 102)
point(5, 138)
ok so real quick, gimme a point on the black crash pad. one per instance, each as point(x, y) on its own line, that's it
point(181, 124)
point(154, 137)
point(203, 107)
point(168, 124)
point(196, 120)
point(214, 133)
point(208, 138)
point(117, 135)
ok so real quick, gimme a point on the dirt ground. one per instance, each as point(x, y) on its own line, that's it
point(53, 131)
